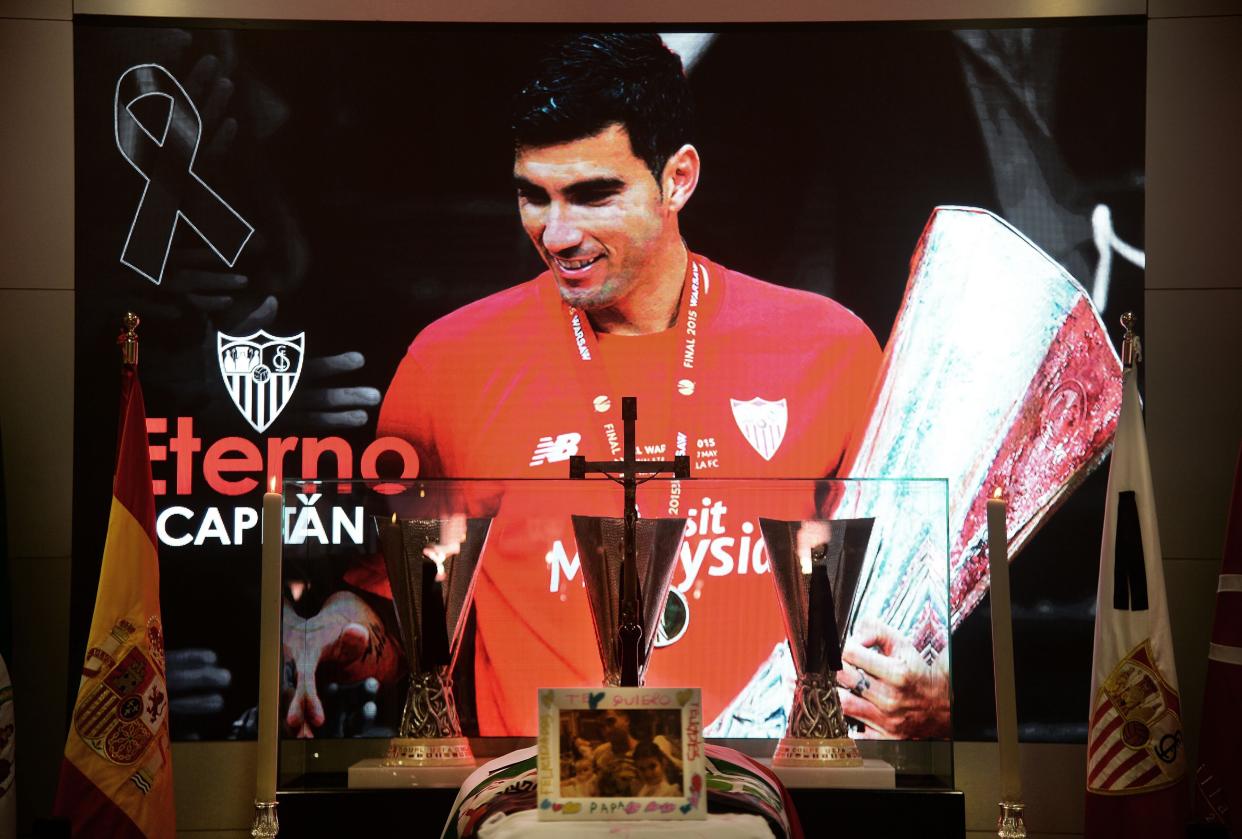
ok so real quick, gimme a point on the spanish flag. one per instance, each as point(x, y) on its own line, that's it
point(116, 778)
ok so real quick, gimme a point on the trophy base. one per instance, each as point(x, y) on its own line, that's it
point(799, 751)
point(429, 751)
point(371, 773)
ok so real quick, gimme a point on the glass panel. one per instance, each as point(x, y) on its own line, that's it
point(344, 684)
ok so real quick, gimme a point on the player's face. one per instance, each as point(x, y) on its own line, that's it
point(596, 215)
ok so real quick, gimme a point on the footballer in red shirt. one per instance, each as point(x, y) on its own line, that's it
point(749, 379)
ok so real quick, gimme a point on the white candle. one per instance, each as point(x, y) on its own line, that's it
point(269, 645)
point(1002, 652)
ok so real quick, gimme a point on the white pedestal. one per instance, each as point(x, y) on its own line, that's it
point(373, 774)
point(873, 774)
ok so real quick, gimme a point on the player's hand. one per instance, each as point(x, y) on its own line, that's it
point(193, 366)
point(196, 685)
point(888, 687)
point(329, 408)
point(194, 277)
point(345, 642)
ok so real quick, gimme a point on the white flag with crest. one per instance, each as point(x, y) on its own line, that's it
point(1135, 753)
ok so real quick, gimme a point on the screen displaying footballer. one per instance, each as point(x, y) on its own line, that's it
point(401, 251)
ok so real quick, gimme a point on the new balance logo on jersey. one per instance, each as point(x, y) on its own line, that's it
point(556, 449)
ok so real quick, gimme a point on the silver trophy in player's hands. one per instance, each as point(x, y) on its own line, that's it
point(432, 563)
point(601, 549)
point(815, 566)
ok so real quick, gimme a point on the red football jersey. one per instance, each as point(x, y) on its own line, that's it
point(753, 381)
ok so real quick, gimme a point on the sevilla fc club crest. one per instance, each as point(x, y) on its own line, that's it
point(762, 423)
point(260, 372)
point(1135, 740)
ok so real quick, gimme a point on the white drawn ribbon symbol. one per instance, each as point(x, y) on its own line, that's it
point(162, 150)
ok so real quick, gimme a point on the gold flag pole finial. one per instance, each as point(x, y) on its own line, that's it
point(1131, 346)
point(128, 339)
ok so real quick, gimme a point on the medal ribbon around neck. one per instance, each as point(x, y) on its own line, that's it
point(690, 326)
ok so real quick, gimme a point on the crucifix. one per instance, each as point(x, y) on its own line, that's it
point(628, 472)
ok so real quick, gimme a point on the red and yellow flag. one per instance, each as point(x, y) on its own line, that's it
point(116, 778)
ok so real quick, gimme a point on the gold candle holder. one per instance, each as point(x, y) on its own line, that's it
point(265, 825)
point(1009, 822)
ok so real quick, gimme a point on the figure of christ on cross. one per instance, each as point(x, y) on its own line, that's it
point(627, 473)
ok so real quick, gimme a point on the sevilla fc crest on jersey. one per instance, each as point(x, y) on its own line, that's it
point(762, 423)
point(260, 372)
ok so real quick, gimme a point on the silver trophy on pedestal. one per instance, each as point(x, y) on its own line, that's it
point(616, 606)
point(816, 566)
point(431, 569)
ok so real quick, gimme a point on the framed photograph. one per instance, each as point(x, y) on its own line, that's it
point(621, 754)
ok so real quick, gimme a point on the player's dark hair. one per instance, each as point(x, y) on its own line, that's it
point(594, 80)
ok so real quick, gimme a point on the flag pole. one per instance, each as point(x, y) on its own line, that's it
point(1131, 347)
point(128, 339)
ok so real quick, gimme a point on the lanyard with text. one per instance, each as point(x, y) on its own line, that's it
point(679, 380)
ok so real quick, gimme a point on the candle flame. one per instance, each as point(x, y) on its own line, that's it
point(394, 519)
point(997, 494)
point(272, 484)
